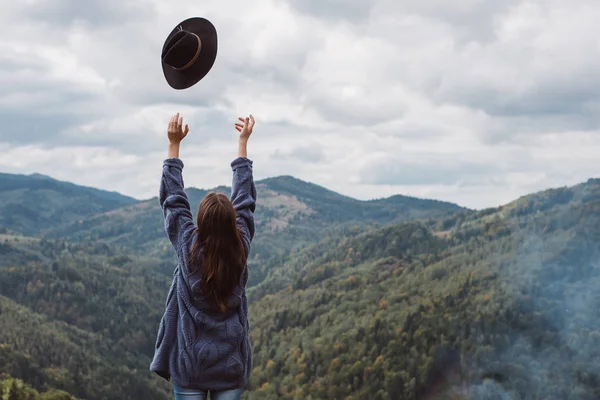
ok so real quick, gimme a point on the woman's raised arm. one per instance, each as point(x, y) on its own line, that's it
point(174, 202)
point(243, 190)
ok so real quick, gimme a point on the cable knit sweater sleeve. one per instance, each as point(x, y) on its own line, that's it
point(175, 204)
point(243, 197)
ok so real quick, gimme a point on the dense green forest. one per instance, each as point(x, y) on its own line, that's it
point(500, 305)
point(16, 389)
point(290, 214)
point(34, 203)
point(397, 298)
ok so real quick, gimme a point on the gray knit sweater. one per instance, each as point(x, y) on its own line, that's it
point(197, 346)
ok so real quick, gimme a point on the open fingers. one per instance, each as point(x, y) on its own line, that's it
point(247, 122)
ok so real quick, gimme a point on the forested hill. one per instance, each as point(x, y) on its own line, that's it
point(290, 214)
point(288, 208)
point(499, 303)
point(31, 204)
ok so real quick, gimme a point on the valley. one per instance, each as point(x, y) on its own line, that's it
point(397, 298)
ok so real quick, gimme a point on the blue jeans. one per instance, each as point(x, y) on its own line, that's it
point(193, 394)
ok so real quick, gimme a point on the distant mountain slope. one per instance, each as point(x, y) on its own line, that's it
point(334, 207)
point(30, 204)
point(556, 207)
point(290, 214)
point(502, 305)
point(287, 207)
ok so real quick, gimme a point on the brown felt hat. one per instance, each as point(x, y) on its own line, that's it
point(189, 52)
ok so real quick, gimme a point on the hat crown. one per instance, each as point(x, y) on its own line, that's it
point(189, 52)
point(181, 49)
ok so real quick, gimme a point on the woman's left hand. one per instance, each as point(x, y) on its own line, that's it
point(176, 131)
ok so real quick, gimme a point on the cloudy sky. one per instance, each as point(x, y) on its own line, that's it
point(471, 101)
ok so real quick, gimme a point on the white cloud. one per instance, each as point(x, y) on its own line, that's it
point(473, 101)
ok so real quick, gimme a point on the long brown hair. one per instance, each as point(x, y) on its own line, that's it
point(223, 253)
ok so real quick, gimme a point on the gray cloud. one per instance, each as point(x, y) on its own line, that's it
point(362, 111)
point(397, 171)
point(97, 13)
point(510, 128)
point(471, 20)
point(350, 10)
point(573, 98)
point(468, 79)
point(24, 128)
point(311, 154)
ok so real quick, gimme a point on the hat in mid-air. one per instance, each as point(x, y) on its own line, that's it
point(189, 52)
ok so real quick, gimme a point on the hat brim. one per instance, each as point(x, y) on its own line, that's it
point(183, 79)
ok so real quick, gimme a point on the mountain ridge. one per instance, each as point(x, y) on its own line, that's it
point(31, 203)
point(290, 213)
point(6, 180)
point(281, 180)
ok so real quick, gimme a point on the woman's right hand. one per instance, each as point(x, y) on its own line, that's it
point(245, 128)
point(176, 132)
